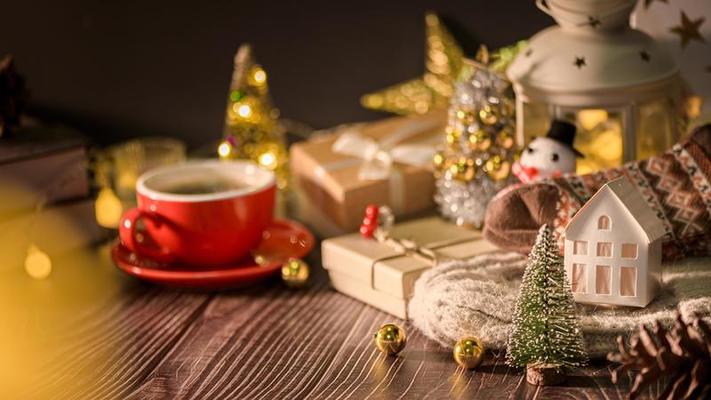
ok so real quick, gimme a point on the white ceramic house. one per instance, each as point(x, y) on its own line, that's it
point(613, 248)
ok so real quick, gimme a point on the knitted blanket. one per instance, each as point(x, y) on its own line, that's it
point(476, 297)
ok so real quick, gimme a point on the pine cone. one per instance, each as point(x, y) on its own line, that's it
point(682, 355)
point(13, 96)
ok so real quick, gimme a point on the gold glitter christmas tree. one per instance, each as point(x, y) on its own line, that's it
point(443, 63)
point(252, 129)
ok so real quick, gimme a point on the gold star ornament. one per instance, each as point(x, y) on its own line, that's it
point(689, 30)
point(444, 60)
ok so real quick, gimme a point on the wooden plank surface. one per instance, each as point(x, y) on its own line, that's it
point(267, 342)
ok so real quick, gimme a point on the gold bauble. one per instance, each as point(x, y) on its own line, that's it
point(480, 140)
point(390, 339)
point(497, 168)
point(469, 174)
point(452, 136)
point(505, 138)
point(488, 115)
point(295, 272)
point(462, 168)
point(439, 161)
point(468, 352)
point(466, 117)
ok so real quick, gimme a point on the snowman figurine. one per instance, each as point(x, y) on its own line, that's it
point(550, 156)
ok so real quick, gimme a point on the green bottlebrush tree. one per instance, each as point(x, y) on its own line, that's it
point(545, 328)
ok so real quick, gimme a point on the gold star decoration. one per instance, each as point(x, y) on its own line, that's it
point(443, 63)
point(688, 30)
point(648, 3)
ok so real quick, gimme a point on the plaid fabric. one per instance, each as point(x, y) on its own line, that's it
point(676, 185)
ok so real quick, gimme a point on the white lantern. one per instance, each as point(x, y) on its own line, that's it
point(620, 87)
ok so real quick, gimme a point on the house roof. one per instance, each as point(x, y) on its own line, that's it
point(635, 204)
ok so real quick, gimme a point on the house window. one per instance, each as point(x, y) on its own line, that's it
point(577, 284)
point(628, 281)
point(580, 247)
point(604, 249)
point(603, 279)
point(629, 251)
point(603, 223)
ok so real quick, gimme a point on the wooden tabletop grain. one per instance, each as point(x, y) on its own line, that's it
point(118, 338)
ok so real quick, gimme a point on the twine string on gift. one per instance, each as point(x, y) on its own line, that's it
point(381, 219)
point(411, 248)
point(377, 224)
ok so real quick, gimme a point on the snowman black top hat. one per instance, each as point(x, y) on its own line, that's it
point(563, 132)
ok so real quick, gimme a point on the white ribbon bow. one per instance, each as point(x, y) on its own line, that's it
point(378, 157)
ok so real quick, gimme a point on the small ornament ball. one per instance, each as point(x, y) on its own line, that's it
point(468, 352)
point(390, 339)
point(295, 273)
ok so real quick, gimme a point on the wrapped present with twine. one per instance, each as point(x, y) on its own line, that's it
point(382, 270)
point(338, 173)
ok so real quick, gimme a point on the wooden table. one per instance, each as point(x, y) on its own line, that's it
point(114, 337)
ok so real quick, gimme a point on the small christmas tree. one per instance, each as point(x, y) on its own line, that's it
point(545, 336)
point(252, 129)
point(475, 161)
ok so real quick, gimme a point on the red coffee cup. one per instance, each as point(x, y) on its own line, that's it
point(218, 222)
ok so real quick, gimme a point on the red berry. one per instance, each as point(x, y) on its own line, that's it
point(367, 231)
point(372, 210)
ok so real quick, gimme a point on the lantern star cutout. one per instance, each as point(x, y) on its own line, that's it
point(444, 60)
point(688, 30)
point(594, 22)
point(580, 62)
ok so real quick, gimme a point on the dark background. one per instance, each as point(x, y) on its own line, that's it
point(133, 68)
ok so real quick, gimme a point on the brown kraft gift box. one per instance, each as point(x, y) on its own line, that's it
point(384, 277)
point(328, 185)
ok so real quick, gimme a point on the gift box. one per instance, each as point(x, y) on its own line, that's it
point(383, 276)
point(337, 174)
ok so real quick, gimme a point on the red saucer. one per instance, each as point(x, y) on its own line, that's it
point(281, 240)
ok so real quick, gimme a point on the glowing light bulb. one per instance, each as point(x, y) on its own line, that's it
point(268, 160)
point(259, 76)
point(108, 208)
point(38, 265)
point(224, 150)
point(244, 111)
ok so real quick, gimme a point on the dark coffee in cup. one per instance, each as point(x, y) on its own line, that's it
point(204, 186)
